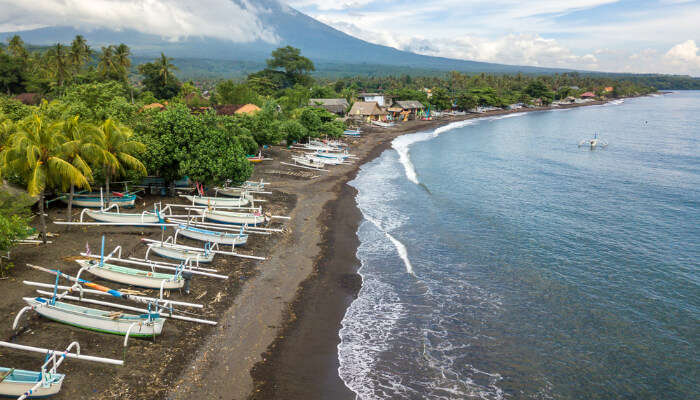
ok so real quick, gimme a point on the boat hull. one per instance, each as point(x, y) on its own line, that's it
point(133, 277)
point(105, 216)
point(208, 236)
point(96, 202)
point(21, 382)
point(97, 320)
point(182, 255)
point(218, 201)
point(233, 218)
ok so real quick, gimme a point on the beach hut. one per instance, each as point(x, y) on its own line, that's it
point(248, 109)
point(378, 98)
point(588, 95)
point(405, 110)
point(367, 111)
point(335, 106)
point(233, 109)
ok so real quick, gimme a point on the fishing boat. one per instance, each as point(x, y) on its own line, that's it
point(309, 162)
point(324, 160)
point(125, 218)
point(21, 384)
point(97, 200)
point(29, 384)
point(131, 276)
point(177, 252)
point(232, 217)
point(218, 201)
point(205, 235)
point(114, 322)
point(593, 143)
point(352, 132)
point(232, 191)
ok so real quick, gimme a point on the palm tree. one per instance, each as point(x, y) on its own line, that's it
point(79, 151)
point(106, 65)
point(164, 67)
point(116, 151)
point(122, 60)
point(35, 152)
point(59, 63)
point(15, 45)
point(79, 53)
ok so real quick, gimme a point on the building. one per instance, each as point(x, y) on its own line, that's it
point(335, 106)
point(405, 110)
point(588, 95)
point(609, 89)
point(379, 98)
point(233, 109)
point(367, 111)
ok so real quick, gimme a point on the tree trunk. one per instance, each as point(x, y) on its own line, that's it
point(41, 216)
point(108, 195)
point(70, 205)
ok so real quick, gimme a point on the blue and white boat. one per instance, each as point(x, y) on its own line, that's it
point(209, 236)
point(96, 200)
point(352, 132)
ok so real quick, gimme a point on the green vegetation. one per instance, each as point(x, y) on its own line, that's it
point(73, 117)
point(14, 225)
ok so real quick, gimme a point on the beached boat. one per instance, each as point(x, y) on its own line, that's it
point(309, 162)
point(131, 276)
point(114, 322)
point(230, 217)
point(125, 218)
point(352, 132)
point(177, 252)
point(324, 160)
point(205, 235)
point(218, 201)
point(232, 191)
point(96, 200)
point(21, 384)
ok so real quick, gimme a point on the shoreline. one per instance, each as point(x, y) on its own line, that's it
point(302, 361)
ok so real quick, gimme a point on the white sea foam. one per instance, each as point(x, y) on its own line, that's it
point(403, 253)
point(614, 102)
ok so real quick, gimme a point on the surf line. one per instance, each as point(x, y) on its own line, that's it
point(400, 248)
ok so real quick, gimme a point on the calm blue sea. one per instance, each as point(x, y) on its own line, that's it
point(501, 261)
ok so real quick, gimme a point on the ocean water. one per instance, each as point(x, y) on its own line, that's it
point(501, 261)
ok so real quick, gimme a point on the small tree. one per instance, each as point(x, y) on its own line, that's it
point(14, 224)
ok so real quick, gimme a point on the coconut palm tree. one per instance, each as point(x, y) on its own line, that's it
point(15, 46)
point(59, 63)
point(165, 67)
point(106, 65)
point(122, 60)
point(79, 150)
point(79, 53)
point(116, 151)
point(35, 152)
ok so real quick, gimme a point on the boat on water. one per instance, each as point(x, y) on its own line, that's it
point(232, 217)
point(97, 200)
point(205, 235)
point(593, 143)
point(132, 276)
point(117, 217)
point(219, 201)
point(113, 322)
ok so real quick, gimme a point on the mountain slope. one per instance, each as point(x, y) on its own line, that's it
point(318, 41)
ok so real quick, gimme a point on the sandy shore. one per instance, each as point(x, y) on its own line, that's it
point(278, 320)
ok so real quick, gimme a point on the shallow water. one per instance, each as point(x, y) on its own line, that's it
point(500, 260)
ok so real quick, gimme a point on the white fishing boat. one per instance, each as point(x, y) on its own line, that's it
point(593, 143)
point(232, 191)
point(125, 218)
point(218, 201)
point(309, 162)
point(180, 253)
point(97, 200)
point(324, 160)
point(205, 235)
point(114, 322)
point(232, 217)
point(131, 276)
point(21, 384)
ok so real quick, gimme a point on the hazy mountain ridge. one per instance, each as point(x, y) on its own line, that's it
point(318, 41)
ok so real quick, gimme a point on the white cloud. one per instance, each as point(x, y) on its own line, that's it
point(684, 56)
point(171, 19)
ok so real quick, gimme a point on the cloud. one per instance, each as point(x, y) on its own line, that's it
point(685, 56)
point(172, 19)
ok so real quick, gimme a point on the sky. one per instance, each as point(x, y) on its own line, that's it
point(605, 35)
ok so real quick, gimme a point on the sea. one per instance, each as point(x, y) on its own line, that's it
point(500, 260)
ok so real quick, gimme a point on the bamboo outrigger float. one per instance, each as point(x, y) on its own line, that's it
point(47, 382)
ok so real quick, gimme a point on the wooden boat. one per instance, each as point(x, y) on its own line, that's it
point(177, 252)
point(131, 276)
point(232, 191)
point(309, 162)
point(95, 200)
point(117, 217)
point(218, 201)
point(232, 217)
point(323, 160)
point(29, 384)
point(352, 133)
point(204, 235)
point(21, 384)
point(117, 323)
